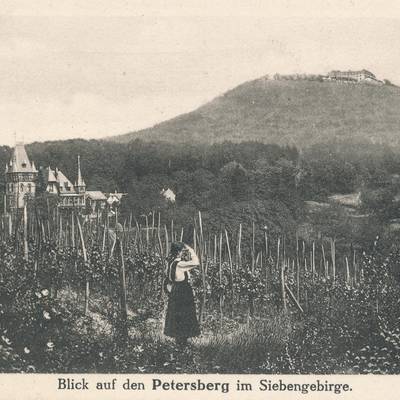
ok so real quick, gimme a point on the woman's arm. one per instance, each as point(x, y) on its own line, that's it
point(185, 266)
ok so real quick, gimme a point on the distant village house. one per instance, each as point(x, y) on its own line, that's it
point(168, 195)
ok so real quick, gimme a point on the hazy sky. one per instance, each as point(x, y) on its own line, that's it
point(95, 69)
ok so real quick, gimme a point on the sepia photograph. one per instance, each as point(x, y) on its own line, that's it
point(199, 188)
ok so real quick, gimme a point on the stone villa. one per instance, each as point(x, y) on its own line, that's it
point(24, 181)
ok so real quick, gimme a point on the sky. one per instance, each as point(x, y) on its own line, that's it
point(92, 69)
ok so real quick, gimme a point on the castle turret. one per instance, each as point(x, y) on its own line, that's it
point(80, 183)
point(21, 177)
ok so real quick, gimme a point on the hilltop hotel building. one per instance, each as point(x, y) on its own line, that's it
point(352, 76)
point(23, 181)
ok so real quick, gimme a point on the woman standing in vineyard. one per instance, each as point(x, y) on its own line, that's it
point(181, 320)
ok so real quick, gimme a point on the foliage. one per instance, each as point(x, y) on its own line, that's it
point(380, 201)
point(352, 328)
point(348, 326)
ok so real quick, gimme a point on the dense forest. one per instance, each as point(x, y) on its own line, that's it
point(230, 182)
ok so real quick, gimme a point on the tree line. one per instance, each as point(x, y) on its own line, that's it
point(229, 182)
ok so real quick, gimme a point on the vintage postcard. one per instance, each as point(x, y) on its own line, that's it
point(199, 199)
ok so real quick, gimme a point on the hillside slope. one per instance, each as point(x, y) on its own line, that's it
point(295, 112)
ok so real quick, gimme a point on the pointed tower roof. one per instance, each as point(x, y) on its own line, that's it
point(19, 160)
point(80, 181)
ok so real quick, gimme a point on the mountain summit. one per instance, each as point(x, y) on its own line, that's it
point(286, 111)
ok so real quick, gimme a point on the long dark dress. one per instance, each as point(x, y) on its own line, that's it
point(181, 320)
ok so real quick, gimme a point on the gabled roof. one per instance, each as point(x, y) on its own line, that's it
point(168, 194)
point(49, 176)
point(114, 197)
point(19, 161)
point(95, 195)
point(64, 182)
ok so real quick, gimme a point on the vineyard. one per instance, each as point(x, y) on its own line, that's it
point(81, 294)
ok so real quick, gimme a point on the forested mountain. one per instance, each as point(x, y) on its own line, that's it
point(287, 112)
point(256, 153)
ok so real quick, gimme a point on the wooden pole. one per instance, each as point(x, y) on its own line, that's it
point(201, 230)
point(103, 246)
point(108, 235)
point(147, 234)
point(253, 247)
point(215, 249)
point(26, 255)
point(293, 298)
point(297, 269)
point(278, 253)
point(16, 233)
point(221, 295)
point(333, 256)
point(323, 256)
point(266, 261)
point(313, 259)
point(283, 249)
point(167, 248)
point(202, 267)
point(10, 226)
point(356, 274)
point(347, 272)
point(73, 229)
point(138, 237)
point(231, 271)
point(85, 259)
point(239, 247)
point(123, 303)
point(283, 287)
point(60, 231)
point(324, 259)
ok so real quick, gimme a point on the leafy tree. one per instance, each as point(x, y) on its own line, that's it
point(45, 203)
point(379, 201)
point(236, 178)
